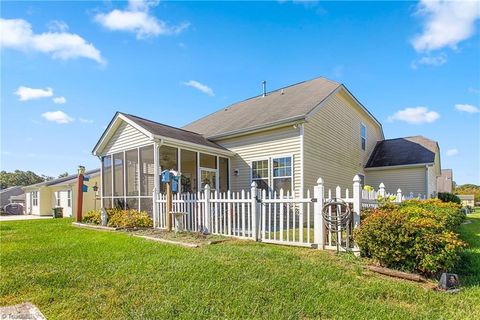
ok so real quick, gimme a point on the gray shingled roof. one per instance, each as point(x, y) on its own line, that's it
point(163, 130)
point(403, 151)
point(296, 101)
point(64, 180)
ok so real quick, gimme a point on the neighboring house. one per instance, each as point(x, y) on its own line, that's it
point(284, 139)
point(468, 200)
point(6, 193)
point(411, 164)
point(42, 197)
point(445, 182)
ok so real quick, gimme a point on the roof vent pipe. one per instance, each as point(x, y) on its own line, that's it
point(264, 84)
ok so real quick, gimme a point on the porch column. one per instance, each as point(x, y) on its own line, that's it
point(156, 182)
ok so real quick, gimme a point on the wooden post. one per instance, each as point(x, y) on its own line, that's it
point(318, 224)
point(81, 171)
point(168, 206)
point(357, 201)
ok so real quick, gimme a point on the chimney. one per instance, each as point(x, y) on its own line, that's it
point(264, 84)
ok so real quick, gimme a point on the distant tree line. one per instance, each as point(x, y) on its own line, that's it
point(23, 178)
point(469, 189)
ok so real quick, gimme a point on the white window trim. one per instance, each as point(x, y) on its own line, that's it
point(365, 126)
point(270, 170)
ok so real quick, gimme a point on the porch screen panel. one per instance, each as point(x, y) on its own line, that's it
point(168, 161)
point(146, 171)
point(107, 176)
point(223, 174)
point(208, 161)
point(189, 170)
point(131, 163)
point(118, 175)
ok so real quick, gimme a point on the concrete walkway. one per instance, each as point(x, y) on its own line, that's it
point(22, 217)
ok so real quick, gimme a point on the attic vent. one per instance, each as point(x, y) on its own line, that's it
point(264, 85)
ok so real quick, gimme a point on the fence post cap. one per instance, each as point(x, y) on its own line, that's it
point(320, 180)
point(381, 185)
point(254, 184)
point(207, 186)
point(357, 178)
point(399, 190)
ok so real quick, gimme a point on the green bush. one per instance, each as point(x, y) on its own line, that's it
point(449, 197)
point(129, 219)
point(92, 216)
point(416, 236)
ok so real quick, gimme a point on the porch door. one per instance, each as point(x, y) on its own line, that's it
point(208, 176)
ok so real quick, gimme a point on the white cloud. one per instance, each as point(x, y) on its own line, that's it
point(200, 86)
point(417, 115)
point(57, 116)
point(57, 26)
point(26, 93)
point(467, 108)
point(136, 18)
point(446, 23)
point(17, 34)
point(431, 60)
point(59, 100)
point(83, 120)
point(452, 152)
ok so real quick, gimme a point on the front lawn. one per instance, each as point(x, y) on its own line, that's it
point(73, 273)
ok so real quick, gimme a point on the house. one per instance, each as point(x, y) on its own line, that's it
point(468, 200)
point(42, 197)
point(411, 164)
point(7, 193)
point(445, 182)
point(283, 139)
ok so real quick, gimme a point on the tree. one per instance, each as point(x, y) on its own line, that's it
point(19, 178)
point(469, 189)
point(62, 175)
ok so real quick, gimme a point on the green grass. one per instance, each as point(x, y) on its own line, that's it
point(73, 273)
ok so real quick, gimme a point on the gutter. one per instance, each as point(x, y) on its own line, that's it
point(415, 165)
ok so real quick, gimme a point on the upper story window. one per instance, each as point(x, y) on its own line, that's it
point(363, 135)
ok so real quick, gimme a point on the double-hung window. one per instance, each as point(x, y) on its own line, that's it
point(69, 198)
point(260, 173)
point(363, 136)
point(273, 174)
point(35, 198)
point(59, 203)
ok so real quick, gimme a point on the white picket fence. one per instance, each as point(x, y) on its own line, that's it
point(270, 217)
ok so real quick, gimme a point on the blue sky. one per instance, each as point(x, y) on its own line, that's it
point(415, 66)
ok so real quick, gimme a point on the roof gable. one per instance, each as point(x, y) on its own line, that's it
point(403, 151)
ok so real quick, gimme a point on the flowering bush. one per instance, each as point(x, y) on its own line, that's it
point(129, 219)
point(412, 236)
point(92, 216)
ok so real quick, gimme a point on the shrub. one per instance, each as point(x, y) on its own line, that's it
point(449, 197)
point(129, 219)
point(92, 216)
point(413, 236)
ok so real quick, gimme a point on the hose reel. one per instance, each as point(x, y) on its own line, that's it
point(337, 217)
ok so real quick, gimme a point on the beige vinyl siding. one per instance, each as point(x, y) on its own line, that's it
point(433, 173)
point(332, 143)
point(409, 180)
point(125, 137)
point(262, 145)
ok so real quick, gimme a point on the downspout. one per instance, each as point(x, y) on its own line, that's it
point(302, 168)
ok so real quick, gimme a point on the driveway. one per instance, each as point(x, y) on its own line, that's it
point(22, 217)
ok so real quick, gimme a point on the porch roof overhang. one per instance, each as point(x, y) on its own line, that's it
point(160, 133)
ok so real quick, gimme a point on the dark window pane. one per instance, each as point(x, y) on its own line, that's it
point(146, 204)
point(189, 171)
point(107, 203)
point(131, 162)
point(146, 170)
point(119, 203)
point(118, 174)
point(223, 174)
point(208, 161)
point(282, 183)
point(168, 158)
point(132, 203)
point(107, 176)
point(261, 184)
